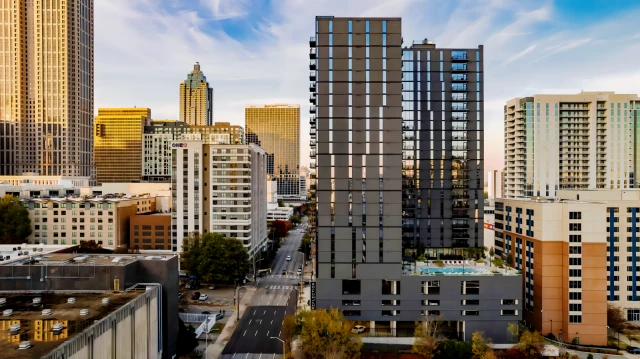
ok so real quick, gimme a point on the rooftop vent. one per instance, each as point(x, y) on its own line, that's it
point(46, 312)
point(7, 312)
point(3, 300)
point(105, 300)
point(24, 345)
point(84, 312)
point(71, 300)
point(57, 327)
point(14, 327)
point(37, 300)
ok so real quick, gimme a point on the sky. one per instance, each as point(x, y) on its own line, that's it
point(256, 51)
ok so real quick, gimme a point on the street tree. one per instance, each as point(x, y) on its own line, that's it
point(295, 220)
point(510, 260)
point(280, 228)
point(481, 346)
point(216, 258)
point(615, 318)
point(15, 225)
point(426, 336)
point(325, 334)
point(531, 344)
point(491, 254)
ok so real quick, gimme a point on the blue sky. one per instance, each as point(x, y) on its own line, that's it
point(255, 51)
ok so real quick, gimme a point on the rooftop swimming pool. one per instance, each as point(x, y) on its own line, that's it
point(452, 270)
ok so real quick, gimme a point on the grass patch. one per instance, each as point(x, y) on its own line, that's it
point(612, 342)
point(217, 328)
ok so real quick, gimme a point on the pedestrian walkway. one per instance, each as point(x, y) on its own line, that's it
point(287, 276)
point(282, 287)
point(214, 350)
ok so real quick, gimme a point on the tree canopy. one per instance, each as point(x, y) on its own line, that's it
point(481, 346)
point(615, 317)
point(186, 340)
point(531, 344)
point(15, 225)
point(215, 258)
point(280, 228)
point(325, 334)
point(426, 337)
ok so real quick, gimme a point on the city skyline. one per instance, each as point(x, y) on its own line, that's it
point(524, 40)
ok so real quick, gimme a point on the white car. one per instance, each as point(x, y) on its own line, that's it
point(203, 297)
point(358, 329)
point(288, 258)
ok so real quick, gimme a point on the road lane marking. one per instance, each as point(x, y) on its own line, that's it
point(267, 332)
point(246, 356)
point(254, 312)
point(256, 333)
point(265, 312)
point(274, 312)
point(245, 332)
point(271, 321)
point(234, 355)
point(280, 332)
point(250, 321)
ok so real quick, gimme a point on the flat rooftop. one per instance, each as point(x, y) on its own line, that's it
point(38, 328)
point(37, 259)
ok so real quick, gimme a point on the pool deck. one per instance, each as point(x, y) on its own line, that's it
point(470, 268)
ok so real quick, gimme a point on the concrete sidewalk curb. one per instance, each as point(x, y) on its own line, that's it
point(215, 350)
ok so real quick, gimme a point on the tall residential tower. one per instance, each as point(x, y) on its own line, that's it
point(581, 141)
point(196, 99)
point(46, 88)
point(276, 128)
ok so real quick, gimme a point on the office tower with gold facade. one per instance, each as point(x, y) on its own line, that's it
point(46, 87)
point(196, 99)
point(118, 143)
point(276, 128)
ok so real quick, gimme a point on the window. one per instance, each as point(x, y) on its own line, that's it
point(575, 319)
point(431, 287)
point(350, 286)
point(575, 284)
point(575, 273)
point(390, 302)
point(575, 295)
point(470, 312)
point(509, 301)
point(431, 312)
point(470, 287)
point(390, 313)
point(509, 312)
point(575, 226)
point(575, 250)
point(350, 302)
point(430, 302)
point(575, 261)
point(470, 302)
point(575, 215)
point(390, 287)
point(575, 238)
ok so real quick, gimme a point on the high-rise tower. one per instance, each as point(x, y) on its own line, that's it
point(46, 87)
point(196, 99)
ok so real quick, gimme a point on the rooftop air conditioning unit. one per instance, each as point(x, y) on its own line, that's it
point(105, 300)
point(37, 300)
point(57, 327)
point(24, 345)
point(46, 312)
point(14, 327)
point(7, 312)
point(3, 300)
point(84, 312)
point(71, 300)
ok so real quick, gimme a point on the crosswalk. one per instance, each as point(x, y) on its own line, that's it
point(282, 287)
point(288, 276)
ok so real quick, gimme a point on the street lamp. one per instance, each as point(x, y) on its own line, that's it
point(238, 297)
point(284, 352)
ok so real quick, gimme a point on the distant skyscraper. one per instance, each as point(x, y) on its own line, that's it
point(276, 128)
point(118, 143)
point(46, 87)
point(495, 182)
point(196, 99)
point(582, 141)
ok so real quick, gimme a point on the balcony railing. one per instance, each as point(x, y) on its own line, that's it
point(312, 41)
point(312, 98)
point(312, 64)
point(312, 75)
point(312, 109)
point(312, 53)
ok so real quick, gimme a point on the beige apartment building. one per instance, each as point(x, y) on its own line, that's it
point(577, 253)
point(46, 87)
point(570, 141)
point(74, 219)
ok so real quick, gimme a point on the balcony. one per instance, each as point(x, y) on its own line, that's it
point(458, 77)
point(312, 53)
point(312, 121)
point(312, 154)
point(312, 64)
point(312, 41)
point(312, 132)
point(312, 75)
point(458, 67)
point(459, 57)
point(312, 98)
point(312, 86)
point(312, 109)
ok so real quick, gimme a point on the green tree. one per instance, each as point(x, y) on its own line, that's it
point(454, 349)
point(216, 258)
point(498, 262)
point(295, 220)
point(186, 340)
point(15, 225)
point(492, 253)
point(481, 346)
point(305, 245)
point(426, 336)
point(280, 203)
point(325, 334)
point(510, 260)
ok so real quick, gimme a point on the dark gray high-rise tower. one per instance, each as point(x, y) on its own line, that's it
point(396, 144)
point(443, 162)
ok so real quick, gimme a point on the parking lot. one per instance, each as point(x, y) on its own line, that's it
point(220, 298)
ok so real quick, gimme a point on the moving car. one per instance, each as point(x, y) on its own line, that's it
point(288, 258)
point(203, 297)
point(358, 329)
point(219, 316)
point(284, 272)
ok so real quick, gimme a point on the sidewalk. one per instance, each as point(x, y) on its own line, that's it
point(215, 349)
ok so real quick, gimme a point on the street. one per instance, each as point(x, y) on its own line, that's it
point(274, 299)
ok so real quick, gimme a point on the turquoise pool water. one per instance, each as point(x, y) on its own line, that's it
point(424, 271)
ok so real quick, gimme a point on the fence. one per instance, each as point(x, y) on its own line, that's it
point(193, 317)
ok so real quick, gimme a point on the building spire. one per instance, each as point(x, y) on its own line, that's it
point(196, 67)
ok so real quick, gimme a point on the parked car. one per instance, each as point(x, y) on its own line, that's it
point(219, 316)
point(203, 297)
point(306, 282)
point(180, 295)
point(358, 329)
point(212, 286)
point(284, 272)
point(206, 312)
point(195, 295)
point(288, 258)
point(633, 350)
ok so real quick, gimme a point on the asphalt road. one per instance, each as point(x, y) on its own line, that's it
point(275, 298)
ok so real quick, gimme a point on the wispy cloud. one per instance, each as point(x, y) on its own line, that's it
point(255, 51)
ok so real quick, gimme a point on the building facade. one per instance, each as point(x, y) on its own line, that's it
point(585, 247)
point(582, 141)
point(276, 128)
point(118, 143)
point(73, 220)
point(219, 188)
point(156, 166)
point(443, 146)
point(196, 99)
point(46, 117)
point(495, 180)
point(398, 177)
point(150, 231)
